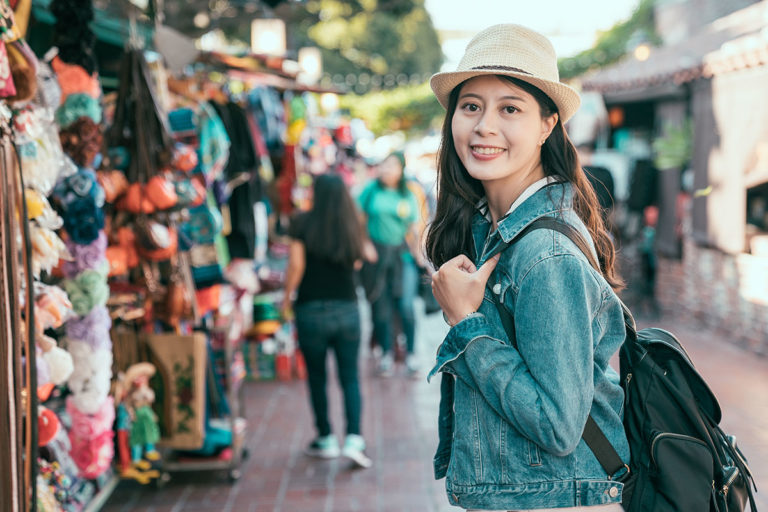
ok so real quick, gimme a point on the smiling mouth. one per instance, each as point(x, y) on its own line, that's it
point(484, 150)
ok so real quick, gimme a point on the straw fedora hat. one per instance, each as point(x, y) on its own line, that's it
point(514, 51)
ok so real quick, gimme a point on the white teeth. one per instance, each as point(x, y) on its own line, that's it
point(487, 151)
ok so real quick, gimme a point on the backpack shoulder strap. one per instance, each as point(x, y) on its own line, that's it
point(593, 436)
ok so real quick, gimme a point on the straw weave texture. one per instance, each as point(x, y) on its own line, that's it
point(511, 50)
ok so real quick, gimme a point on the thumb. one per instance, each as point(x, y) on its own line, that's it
point(484, 272)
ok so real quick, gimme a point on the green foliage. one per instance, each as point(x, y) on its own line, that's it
point(673, 150)
point(374, 37)
point(409, 108)
point(614, 43)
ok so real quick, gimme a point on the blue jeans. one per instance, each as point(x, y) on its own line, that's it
point(383, 309)
point(323, 325)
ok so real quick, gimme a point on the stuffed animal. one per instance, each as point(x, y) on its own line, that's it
point(137, 430)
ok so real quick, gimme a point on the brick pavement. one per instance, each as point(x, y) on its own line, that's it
point(400, 426)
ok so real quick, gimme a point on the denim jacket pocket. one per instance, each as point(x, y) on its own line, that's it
point(466, 462)
point(534, 453)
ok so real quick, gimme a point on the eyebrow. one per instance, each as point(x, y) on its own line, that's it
point(473, 95)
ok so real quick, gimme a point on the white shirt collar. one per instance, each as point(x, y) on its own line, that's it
point(528, 192)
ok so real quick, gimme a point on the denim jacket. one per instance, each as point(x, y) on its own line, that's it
point(511, 419)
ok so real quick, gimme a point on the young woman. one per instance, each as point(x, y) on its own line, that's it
point(391, 210)
point(325, 249)
point(514, 404)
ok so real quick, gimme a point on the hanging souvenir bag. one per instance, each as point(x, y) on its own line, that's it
point(156, 242)
point(180, 363)
point(161, 192)
point(7, 87)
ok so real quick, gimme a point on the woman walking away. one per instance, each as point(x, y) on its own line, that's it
point(326, 246)
point(391, 211)
point(533, 324)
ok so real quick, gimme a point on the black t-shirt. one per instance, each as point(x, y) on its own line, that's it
point(323, 279)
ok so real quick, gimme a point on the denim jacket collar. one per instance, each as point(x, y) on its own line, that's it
point(547, 201)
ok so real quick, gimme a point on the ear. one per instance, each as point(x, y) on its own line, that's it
point(548, 124)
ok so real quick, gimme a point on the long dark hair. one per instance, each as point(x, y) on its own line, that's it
point(450, 233)
point(332, 228)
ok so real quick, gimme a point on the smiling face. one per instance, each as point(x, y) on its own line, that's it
point(498, 131)
point(390, 172)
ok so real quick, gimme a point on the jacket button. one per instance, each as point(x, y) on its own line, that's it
point(455, 498)
point(497, 288)
point(613, 492)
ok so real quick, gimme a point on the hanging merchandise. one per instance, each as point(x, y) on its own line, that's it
point(139, 126)
point(23, 65)
point(181, 362)
point(75, 454)
point(267, 104)
point(73, 37)
point(17, 440)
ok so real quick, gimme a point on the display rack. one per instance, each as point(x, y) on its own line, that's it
point(227, 338)
point(101, 497)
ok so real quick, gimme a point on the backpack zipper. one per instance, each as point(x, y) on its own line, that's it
point(660, 435)
point(729, 482)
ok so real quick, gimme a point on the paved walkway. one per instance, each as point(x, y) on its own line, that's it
point(400, 426)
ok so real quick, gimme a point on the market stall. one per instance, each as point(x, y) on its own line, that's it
point(142, 256)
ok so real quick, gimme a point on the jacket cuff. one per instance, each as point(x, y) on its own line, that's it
point(441, 462)
point(460, 336)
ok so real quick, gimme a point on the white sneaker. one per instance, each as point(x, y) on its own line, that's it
point(386, 365)
point(324, 447)
point(412, 364)
point(354, 446)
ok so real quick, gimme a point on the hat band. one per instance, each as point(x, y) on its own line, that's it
point(503, 68)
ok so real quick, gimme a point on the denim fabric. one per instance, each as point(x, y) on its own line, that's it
point(511, 419)
point(335, 325)
point(410, 290)
point(397, 295)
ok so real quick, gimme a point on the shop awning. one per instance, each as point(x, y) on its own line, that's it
point(732, 42)
point(106, 26)
point(258, 70)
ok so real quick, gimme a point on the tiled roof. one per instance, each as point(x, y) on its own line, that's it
point(736, 41)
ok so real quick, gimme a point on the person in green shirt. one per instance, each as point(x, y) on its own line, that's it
point(391, 210)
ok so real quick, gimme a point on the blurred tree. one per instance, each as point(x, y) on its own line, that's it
point(614, 43)
point(369, 37)
point(409, 108)
point(356, 37)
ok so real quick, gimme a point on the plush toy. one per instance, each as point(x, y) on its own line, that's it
point(52, 307)
point(47, 249)
point(90, 382)
point(144, 430)
point(58, 360)
point(92, 328)
point(91, 437)
point(137, 430)
point(47, 425)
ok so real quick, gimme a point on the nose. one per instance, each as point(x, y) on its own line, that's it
point(487, 123)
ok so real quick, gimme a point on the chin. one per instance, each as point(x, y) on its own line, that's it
point(485, 175)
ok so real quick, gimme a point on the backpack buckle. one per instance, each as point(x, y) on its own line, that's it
point(623, 476)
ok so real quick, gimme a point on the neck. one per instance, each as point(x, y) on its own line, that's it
point(502, 193)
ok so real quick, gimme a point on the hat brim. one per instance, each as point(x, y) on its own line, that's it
point(565, 97)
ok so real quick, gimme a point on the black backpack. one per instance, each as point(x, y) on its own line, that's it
point(682, 461)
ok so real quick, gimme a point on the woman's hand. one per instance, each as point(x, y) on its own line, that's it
point(369, 251)
point(459, 287)
point(286, 309)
